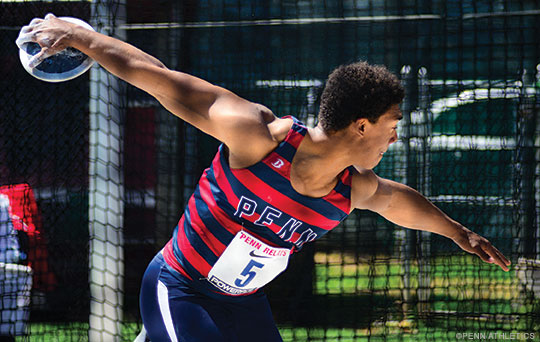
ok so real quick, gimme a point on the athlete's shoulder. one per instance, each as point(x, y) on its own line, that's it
point(364, 184)
point(262, 133)
point(279, 128)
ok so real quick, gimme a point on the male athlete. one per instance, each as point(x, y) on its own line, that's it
point(273, 186)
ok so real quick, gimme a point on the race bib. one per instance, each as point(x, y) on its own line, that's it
point(247, 264)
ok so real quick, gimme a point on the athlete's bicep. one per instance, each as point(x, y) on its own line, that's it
point(199, 102)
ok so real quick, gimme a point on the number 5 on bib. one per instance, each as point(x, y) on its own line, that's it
point(247, 264)
point(249, 272)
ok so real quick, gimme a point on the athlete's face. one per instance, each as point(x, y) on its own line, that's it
point(377, 137)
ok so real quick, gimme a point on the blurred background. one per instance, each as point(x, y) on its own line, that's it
point(94, 173)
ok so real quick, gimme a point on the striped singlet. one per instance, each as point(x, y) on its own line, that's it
point(258, 199)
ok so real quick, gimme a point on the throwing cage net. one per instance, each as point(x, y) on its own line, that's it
point(94, 173)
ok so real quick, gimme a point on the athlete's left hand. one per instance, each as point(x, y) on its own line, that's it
point(475, 244)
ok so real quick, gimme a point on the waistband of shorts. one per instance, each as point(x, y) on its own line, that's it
point(202, 285)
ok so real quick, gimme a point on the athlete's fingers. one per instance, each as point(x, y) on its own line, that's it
point(501, 256)
point(35, 21)
point(25, 37)
point(39, 57)
point(26, 29)
point(497, 257)
point(488, 253)
point(49, 16)
point(28, 33)
point(479, 251)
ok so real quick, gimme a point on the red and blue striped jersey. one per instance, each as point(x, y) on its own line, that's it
point(259, 199)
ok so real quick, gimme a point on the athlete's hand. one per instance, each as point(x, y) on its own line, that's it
point(50, 33)
point(476, 244)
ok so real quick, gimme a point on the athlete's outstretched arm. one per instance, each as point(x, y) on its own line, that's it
point(210, 108)
point(406, 207)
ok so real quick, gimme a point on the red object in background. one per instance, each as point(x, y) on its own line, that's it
point(140, 172)
point(26, 218)
point(140, 149)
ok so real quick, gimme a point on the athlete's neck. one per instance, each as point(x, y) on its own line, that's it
point(318, 163)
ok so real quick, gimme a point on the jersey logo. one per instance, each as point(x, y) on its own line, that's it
point(252, 253)
point(278, 163)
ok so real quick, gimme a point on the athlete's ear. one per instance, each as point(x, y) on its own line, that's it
point(359, 126)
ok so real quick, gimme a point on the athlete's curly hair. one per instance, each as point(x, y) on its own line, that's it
point(355, 91)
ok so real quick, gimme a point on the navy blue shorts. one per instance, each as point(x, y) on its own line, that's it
point(172, 311)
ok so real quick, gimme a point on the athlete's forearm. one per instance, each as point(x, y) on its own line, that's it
point(410, 209)
point(108, 51)
point(119, 58)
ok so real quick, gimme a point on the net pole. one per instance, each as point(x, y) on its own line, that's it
point(424, 184)
point(106, 192)
point(403, 236)
point(526, 161)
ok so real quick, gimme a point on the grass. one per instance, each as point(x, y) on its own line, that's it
point(338, 274)
point(461, 293)
point(388, 332)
